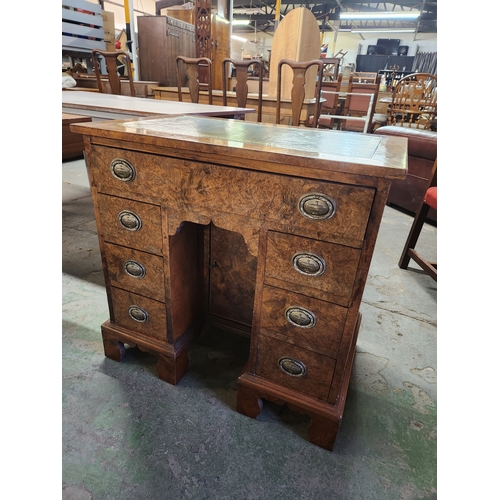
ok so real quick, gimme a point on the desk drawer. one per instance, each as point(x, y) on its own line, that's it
point(139, 314)
point(128, 174)
point(131, 223)
point(323, 270)
point(323, 210)
point(304, 321)
point(136, 271)
point(298, 369)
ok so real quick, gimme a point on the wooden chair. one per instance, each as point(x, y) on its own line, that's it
point(241, 87)
point(298, 92)
point(330, 92)
point(111, 60)
point(364, 76)
point(429, 201)
point(358, 106)
point(198, 73)
point(414, 101)
point(331, 68)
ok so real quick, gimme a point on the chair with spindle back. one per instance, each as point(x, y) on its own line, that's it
point(414, 101)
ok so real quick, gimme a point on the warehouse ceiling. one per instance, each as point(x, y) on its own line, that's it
point(261, 14)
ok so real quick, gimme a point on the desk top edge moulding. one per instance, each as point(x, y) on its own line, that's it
point(371, 155)
point(293, 213)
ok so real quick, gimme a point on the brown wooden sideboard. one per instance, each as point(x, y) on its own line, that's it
point(264, 228)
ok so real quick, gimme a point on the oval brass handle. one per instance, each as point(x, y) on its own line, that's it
point(317, 206)
point(122, 170)
point(292, 367)
point(309, 264)
point(138, 314)
point(300, 316)
point(129, 220)
point(134, 269)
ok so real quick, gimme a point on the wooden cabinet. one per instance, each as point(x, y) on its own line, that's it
point(221, 44)
point(161, 39)
point(267, 226)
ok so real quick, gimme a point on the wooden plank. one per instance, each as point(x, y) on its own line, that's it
point(82, 17)
point(297, 38)
point(82, 4)
point(75, 43)
point(82, 30)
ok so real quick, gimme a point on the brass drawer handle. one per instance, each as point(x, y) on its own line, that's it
point(292, 367)
point(134, 269)
point(138, 314)
point(309, 264)
point(317, 206)
point(129, 221)
point(122, 170)
point(300, 316)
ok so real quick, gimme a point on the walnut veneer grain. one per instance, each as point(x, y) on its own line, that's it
point(261, 229)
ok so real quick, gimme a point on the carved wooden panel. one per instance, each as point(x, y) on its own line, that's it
point(203, 33)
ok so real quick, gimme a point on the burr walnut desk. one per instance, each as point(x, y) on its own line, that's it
point(186, 206)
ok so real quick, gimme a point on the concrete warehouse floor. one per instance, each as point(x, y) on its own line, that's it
point(128, 435)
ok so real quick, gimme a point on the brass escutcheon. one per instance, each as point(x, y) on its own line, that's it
point(134, 269)
point(300, 316)
point(138, 314)
point(317, 206)
point(309, 264)
point(122, 170)
point(129, 221)
point(292, 367)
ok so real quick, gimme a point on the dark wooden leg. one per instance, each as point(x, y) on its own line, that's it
point(411, 241)
point(169, 369)
point(323, 431)
point(170, 365)
point(113, 349)
point(248, 401)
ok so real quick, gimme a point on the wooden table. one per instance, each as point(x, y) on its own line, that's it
point(89, 82)
point(72, 143)
point(113, 107)
point(268, 103)
point(241, 224)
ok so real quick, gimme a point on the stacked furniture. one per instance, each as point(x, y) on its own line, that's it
point(82, 28)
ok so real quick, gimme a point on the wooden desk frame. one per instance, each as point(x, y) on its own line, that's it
point(307, 205)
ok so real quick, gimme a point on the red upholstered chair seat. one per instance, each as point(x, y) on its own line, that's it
point(431, 197)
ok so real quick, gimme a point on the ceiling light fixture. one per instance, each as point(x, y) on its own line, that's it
point(241, 22)
point(409, 30)
point(249, 12)
point(379, 16)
